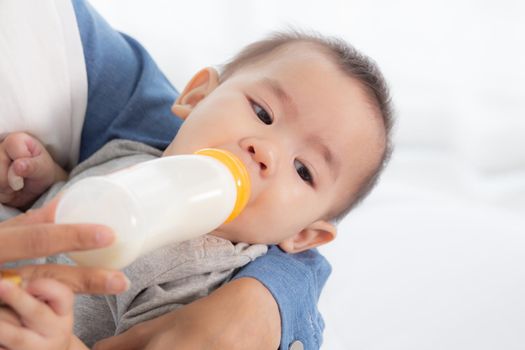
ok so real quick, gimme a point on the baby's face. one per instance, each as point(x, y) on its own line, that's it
point(305, 132)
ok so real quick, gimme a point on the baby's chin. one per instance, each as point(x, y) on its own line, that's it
point(172, 152)
point(234, 231)
point(176, 149)
point(224, 234)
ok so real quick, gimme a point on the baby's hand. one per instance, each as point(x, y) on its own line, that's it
point(40, 317)
point(26, 170)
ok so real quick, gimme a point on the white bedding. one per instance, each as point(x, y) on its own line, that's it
point(430, 261)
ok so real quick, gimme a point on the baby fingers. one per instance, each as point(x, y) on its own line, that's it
point(15, 337)
point(53, 293)
point(19, 169)
point(9, 316)
point(35, 315)
point(5, 163)
point(20, 145)
point(14, 179)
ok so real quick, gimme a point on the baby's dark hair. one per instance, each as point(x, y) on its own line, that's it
point(352, 63)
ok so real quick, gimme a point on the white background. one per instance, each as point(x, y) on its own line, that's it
point(434, 259)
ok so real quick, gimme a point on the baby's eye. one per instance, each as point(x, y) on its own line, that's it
point(303, 172)
point(261, 113)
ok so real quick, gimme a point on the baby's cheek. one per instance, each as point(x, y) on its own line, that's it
point(289, 198)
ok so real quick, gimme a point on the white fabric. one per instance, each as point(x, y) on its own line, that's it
point(432, 260)
point(43, 82)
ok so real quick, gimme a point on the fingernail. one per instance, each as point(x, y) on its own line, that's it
point(118, 283)
point(16, 182)
point(104, 238)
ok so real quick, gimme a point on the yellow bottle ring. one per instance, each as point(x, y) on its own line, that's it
point(240, 175)
point(11, 276)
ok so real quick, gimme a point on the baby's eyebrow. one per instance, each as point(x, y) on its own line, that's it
point(286, 100)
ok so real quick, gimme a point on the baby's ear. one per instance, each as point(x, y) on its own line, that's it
point(200, 86)
point(316, 234)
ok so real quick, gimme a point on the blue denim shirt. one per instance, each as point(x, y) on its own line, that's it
point(130, 98)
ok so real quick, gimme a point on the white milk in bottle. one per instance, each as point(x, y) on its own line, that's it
point(157, 202)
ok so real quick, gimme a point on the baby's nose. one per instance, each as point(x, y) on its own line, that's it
point(263, 153)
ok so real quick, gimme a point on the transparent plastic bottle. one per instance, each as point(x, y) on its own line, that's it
point(151, 204)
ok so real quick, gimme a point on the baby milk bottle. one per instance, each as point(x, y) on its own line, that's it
point(157, 202)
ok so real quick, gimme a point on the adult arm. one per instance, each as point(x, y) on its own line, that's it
point(241, 314)
point(270, 304)
point(295, 281)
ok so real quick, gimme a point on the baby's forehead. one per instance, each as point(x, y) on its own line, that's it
point(292, 53)
point(301, 49)
point(304, 76)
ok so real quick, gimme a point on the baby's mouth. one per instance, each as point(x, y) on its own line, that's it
point(253, 168)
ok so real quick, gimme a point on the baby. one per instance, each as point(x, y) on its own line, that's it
point(309, 116)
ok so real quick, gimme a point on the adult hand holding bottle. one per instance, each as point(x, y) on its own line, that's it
point(34, 234)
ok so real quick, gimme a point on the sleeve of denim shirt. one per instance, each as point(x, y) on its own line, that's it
point(130, 98)
point(295, 281)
